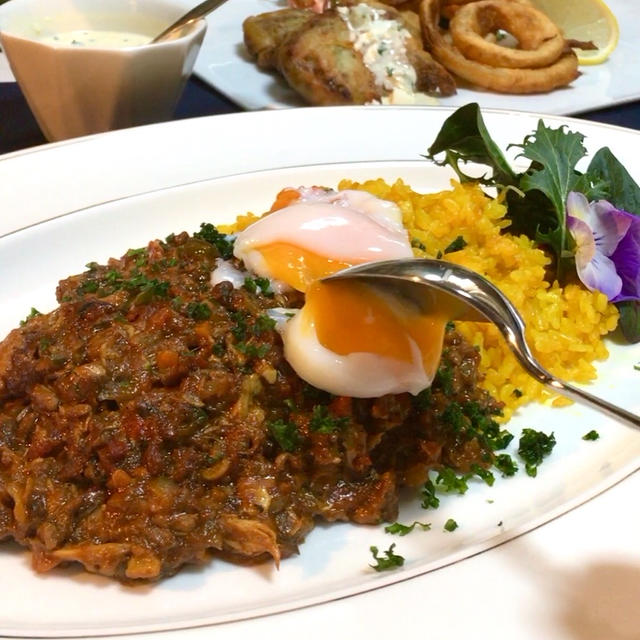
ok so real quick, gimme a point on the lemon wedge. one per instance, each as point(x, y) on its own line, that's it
point(585, 20)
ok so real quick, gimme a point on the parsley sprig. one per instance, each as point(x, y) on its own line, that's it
point(390, 560)
point(533, 447)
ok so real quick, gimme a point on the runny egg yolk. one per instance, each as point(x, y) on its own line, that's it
point(351, 317)
point(353, 339)
point(296, 266)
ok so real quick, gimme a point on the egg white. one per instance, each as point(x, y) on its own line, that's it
point(358, 375)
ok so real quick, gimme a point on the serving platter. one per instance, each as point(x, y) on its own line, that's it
point(91, 220)
point(224, 63)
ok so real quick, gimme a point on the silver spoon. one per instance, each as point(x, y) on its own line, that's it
point(199, 11)
point(465, 295)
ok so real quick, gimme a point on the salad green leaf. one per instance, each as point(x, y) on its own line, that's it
point(536, 197)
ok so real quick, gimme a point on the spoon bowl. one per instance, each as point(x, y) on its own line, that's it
point(466, 295)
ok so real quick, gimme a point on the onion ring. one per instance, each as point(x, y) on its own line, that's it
point(448, 8)
point(541, 42)
point(502, 79)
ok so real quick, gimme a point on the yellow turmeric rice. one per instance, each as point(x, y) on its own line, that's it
point(565, 325)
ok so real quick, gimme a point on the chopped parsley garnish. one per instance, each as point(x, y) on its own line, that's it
point(198, 310)
point(450, 525)
point(517, 393)
point(429, 498)
point(220, 241)
point(239, 329)
point(254, 284)
point(323, 422)
point(139, 254)
point(253, 350)
point(454, 417)
point(505, 464)
point(390, 560)
point(458, 244)
point(113, 280)
point(449, 481)
point(534, 446)
point(422, 401)
point(444, 377)
point(484, 474)
point(416, 244)
point(486, 428)
point(263, 324)
point(286, 434)
point(592, 435)
point(32, 314)
point(218, 349)
point(403, 529)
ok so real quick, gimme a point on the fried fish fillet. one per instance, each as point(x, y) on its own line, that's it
point(320, 63)
point(264, 33)
point(315, 55)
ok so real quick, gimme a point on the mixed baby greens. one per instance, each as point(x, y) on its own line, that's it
point(588, 220)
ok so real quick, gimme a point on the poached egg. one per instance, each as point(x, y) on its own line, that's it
point(349, 338)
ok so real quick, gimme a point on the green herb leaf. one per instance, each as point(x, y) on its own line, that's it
point(390, 560)
point(220, 241)
point(32, 314)
point(450, 525)
point(254, 284)
point(285, 434)
point(323, 422)
point(449, 481)
point(263, 324)
point(458, 244)
point(592, 435)
point(253, 350)
point(198, 310)
point(422, 401)
point(619, 187)
point(533, 447)
point(484, 474)
point(554, 154)
point(429, 498)
point(464, 138)
point(630, 320)
point(454, 417)
point(402, 529)
point(444, 379)
point(505, 464)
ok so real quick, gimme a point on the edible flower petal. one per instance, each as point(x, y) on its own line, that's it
point(607, 251)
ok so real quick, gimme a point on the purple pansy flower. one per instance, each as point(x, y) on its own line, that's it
point(607, 247)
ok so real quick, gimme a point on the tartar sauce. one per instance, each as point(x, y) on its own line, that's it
point(97, 38)
point(381, 42)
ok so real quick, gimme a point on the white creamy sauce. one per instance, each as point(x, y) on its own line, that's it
point(97, 38)
point(382, 44)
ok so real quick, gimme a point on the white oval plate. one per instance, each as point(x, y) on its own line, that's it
point(334, 562)
point(525, 585)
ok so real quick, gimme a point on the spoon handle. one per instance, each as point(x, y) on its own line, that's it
point(574, 393)
point(199, 11)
